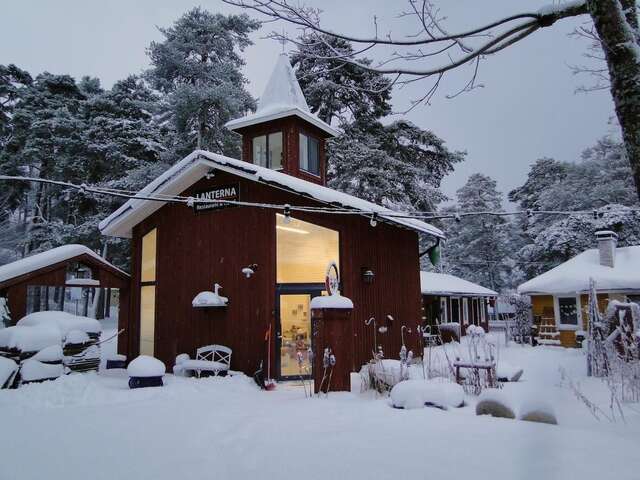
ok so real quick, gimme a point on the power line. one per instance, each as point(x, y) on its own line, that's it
point(191, 201)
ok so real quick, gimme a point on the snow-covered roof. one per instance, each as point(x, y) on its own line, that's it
point(282, 97)
point(432, 283)
point(573, 275)
point(196, 165)
point(45, 259)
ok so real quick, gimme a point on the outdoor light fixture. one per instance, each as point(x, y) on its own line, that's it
point(374, 219)
point(367, 275)
point(249, 270)
point(287, 213)
point(210, 174)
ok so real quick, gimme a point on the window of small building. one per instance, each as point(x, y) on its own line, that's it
point(267, 150)
point(92, 302)
point(304, 250)
point(309, 154)
point(77, 271)
point(148, 292)
point(567, 310)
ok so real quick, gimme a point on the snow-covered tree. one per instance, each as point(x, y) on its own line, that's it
point(198, 65)
point(601, 181)
point(398, 165)
point(336, 90)
point(478, 247)
point(432, 50)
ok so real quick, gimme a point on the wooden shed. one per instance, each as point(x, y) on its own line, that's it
point(269, 261)
point(447, 299)
point(47, 280)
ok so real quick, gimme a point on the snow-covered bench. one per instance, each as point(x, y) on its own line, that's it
point(213, 359)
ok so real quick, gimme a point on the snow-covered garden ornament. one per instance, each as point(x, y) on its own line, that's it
point(328, 362)
point(210, 299)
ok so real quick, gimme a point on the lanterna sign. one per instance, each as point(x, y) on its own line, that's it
point(223, 192)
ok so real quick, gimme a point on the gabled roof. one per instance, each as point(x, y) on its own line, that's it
point(195, 166)
point(282, 97)
point(432, 283)
point(42, 260)
point(573, 275)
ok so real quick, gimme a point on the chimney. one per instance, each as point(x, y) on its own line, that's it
point(607, 243)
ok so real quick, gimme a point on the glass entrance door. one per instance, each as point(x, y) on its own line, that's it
point(294, 339)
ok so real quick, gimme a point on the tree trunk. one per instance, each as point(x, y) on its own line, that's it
point(616, 22)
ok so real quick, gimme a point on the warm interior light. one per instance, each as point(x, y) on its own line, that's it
point(292, 230)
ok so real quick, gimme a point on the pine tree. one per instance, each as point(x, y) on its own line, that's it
point(600, 181)
point(477, 247)
point(337, 90)
point(397, 165)
point(199, 67)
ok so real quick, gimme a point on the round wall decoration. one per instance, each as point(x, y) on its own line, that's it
point(332, 279)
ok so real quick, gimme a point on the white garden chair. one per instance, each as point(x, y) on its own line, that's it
point(211, 358)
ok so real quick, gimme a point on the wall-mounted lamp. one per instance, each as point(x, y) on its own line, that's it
point(249, 270)
point(210, 174)
point(367, 275)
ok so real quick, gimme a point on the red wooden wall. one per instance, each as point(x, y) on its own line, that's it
point(196, 250)
point(15, 289)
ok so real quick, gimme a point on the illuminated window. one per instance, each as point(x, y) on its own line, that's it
point(304, 250)
point(148, 269)
point(309, 154)
point(148, 292)
point(267, 150)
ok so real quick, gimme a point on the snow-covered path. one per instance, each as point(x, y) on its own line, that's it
point(92, 426)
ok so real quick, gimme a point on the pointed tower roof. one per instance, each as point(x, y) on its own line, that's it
point(282, 97)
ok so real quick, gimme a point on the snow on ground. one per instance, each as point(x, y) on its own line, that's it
point(92, 426)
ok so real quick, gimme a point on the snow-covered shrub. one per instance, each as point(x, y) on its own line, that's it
point(537, 410)
point(520, 328)
point(495, 403)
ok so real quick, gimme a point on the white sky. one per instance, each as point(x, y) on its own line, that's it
point(526, 110)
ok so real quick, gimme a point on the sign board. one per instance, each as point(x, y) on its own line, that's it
point(216, 195)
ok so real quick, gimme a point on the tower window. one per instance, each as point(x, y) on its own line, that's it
point(309, 154)
point(267, 150)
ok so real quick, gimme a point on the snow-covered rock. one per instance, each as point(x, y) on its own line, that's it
point(32, 370)
point(331, 301)
point(49, 354)
point(537, 410)
point(64, 321)
point(7, 369)
point(496, 403)
point(438, 393)
point(29, 339)
point(145, 366)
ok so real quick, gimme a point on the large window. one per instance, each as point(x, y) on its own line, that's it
point(309, 154)
point(267, 150)
point(148, 292)
point(567, 311)
point(304, 250)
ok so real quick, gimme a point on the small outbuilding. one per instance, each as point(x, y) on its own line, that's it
point(70, 278)
point(447, 299)
point(560, 297)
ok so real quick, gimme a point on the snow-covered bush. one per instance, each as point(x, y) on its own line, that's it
point(522, 317)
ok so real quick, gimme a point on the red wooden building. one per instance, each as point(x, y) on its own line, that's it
point(268, 262)
point(64, 278)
